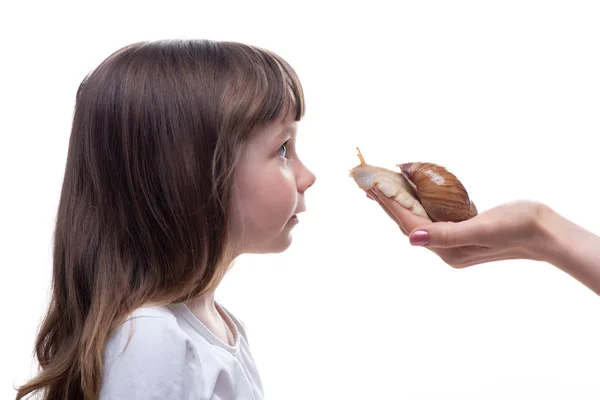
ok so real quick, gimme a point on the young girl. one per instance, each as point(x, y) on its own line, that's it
point(181, 158)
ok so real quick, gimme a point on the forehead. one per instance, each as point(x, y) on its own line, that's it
point(281, 127)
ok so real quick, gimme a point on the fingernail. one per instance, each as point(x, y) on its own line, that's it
point(419, 238)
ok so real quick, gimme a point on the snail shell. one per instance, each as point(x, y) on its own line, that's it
point(440, 192)
point(426, 189)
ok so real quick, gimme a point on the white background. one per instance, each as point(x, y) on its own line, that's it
point(505, 94)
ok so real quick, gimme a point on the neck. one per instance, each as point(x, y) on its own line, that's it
point(203, 304)
point(204, 308)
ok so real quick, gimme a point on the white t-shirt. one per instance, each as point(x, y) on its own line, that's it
point(174, 356)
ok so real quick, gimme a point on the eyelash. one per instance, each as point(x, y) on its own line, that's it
point(284, 147)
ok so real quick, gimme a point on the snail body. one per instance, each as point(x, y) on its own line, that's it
point(426, 189)
point(392, 184)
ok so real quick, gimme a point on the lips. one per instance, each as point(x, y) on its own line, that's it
point(300, 210)
point(295, 216)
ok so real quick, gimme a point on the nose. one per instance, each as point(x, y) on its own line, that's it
point(306, 178)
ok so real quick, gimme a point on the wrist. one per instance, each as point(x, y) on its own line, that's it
point(560, 240)
point(548, 241)
point(571, 248)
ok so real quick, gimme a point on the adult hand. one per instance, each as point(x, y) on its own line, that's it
point(510, 231)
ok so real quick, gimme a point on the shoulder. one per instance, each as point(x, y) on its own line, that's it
point(149, 354)
point(146, 328)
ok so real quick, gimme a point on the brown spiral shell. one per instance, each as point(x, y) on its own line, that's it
point(442, 195)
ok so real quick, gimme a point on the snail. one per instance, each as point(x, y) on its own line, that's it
point(424, 188)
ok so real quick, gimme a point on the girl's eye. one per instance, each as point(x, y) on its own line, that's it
point(282, 151)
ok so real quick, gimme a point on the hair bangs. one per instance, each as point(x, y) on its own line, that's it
point(265, 87)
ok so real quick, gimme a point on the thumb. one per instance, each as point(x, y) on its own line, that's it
point(446, 234)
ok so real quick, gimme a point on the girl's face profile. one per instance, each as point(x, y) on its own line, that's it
point(269, 186)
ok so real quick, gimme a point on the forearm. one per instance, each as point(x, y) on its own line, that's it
point(571, 248)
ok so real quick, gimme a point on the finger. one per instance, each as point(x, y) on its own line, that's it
point(460, 257)
point(451, 234)
point(495, 255)
point(486, 260)
point(407, 218)
point(389, 213)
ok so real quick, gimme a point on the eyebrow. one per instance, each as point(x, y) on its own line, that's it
point(285, 132)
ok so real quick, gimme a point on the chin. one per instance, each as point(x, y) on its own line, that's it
point(278, 246)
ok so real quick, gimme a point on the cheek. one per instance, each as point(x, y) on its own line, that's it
point(277, 192)
point(263, 203)
point(268, 197)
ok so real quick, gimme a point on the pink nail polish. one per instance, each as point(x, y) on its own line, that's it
point(419, 238)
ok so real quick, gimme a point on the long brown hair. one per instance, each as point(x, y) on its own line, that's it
point(157, 131)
